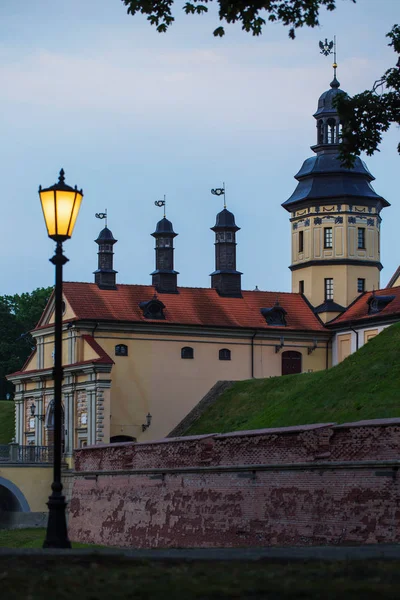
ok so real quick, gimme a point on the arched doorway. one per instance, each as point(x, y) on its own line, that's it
point(49, 425)
point(291, 362)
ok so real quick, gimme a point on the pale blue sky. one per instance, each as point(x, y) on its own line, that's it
point(131, 115)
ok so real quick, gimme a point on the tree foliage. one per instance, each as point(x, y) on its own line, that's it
point(18, 315)
point(252, 15)
point(368, 115)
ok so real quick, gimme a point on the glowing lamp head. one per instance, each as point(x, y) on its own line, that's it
point(60, 205)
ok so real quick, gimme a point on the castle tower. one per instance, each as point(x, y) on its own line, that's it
point(335, 221)
point(225, 279)
point(164, 278)
point(105, 276)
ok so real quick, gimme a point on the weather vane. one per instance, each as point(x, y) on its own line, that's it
point(102, 216)
point(220, 192)
point(327, 48)
point(162, 203)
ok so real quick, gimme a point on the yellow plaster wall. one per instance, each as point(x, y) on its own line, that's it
point(48, 350)
point(34, 483)
point(368, 335)
point(154, 378)
point(344, 346)
point(344, 282)
point(32, 363)
point(87, 352)
point(344, 246)
point(68, 314)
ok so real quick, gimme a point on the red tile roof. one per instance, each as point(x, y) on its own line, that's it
point(191, 306)
point(359, 309)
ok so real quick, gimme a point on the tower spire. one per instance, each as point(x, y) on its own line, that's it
point(164, 278)
point(225, 279)
point(105, 276)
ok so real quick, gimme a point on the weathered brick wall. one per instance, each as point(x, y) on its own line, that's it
point(316, 484)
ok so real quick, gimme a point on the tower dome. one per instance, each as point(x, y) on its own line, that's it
point(225, 220)
point(325, 102)
point(164, 227)
point(105, 235)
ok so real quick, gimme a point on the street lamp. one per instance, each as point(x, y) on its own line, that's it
point(60, 204)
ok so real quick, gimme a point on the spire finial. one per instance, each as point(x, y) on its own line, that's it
point(162, 203)
point(220, 192)
point(334, 57)
point(61, 177)
point(326, 49)
point(102, 215)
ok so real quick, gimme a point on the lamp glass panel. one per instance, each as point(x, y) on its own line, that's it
point(65, 209)
point(47, 200)
point(75, 211)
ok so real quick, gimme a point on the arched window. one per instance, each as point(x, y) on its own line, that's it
point(224, 354)
point(187, 352)
point(121, 350)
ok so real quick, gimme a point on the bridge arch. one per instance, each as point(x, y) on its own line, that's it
point(11, 497)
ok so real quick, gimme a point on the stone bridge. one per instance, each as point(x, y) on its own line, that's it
point(25, 479)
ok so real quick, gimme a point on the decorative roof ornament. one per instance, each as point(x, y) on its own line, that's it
point(220, 192)
point(161, 203)
point(328, 48)
point(102, 215)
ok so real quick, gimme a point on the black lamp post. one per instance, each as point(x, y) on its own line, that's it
point(60, 204)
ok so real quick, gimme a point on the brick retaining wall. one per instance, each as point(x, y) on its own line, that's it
point(315, 484)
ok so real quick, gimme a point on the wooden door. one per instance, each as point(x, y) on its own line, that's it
point(291, 362)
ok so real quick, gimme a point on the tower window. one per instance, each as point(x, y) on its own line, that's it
point(328, 237)
point(360, 285)
point(331, 131)
point(301, 241)
point(361, 238)
point(224, 354)
point(329, 288)
point(301, 287)
point(320, 127)
point(187, 352)
point(121, 350)
point(164, 242)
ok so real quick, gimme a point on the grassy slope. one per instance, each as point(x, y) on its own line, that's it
point(6, 421)
point(364, 386)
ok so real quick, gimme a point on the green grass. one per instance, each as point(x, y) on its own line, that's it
point(364, 386)
point(29, 538)
point(101, 578)
point(6, 421)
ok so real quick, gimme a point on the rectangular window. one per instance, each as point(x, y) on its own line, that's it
point(301, 241)
point(328, 237)
point(360, 285)
point(301, 287)
point(329, 288)
point(361, 238)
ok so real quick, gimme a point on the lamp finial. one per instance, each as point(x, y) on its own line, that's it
point(61, 178)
